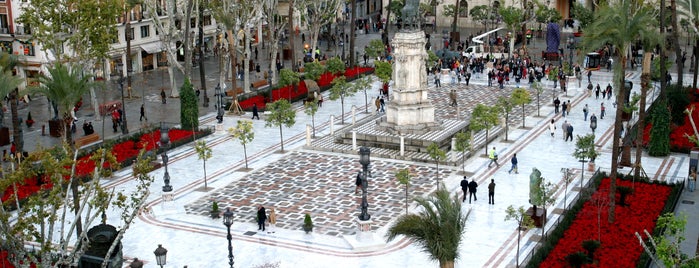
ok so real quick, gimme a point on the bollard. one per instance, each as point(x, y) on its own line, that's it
point(43, 130)
point(402, 146)
point(453, 143)
point(332, 125)
point(308, 135)
point(354, 140)
point(354, 113)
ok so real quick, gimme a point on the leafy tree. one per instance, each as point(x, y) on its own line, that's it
point(245, 134)
point(619, 24)
point(313, 70)
point(276, 27)
point(454, 11)
point(204, 153)
point(383, 70)
point(524, 222)
point(505, 106)
point(38, 216)
point(311, 107)
point(8, 87)
point(659, 144)
point(667, 244)
point(513, 17)
point(437, 155)
point(483, 118)
point(340, 90)
point(403, 176)
point(363, 83)
point(315, 14)
point(289, 77)
point(481, 14)
point(437, 228)
point(545, 197)
point(585, 151)
point(335, 65)
point(281, 114)
point(375, 48)
point(583, 14)
point(189, 109)
point(521, 97)
point(545, 14)
point(463, 144)
point(431, 58)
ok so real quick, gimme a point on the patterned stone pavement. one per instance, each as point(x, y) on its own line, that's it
point(322, 185)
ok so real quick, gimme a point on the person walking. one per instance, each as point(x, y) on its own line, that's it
point(593, 122)
point(604, 94)
point(570, 132)
point(692, 179)
point(552, 127)
point(452, 97)
point(358, 183)
point(556, 104)
point(383, 105)
point(570, 107)
point(513, 160)
point(564, 108)
point(255, 112)
point(493, 156)
point(585, 110)
point(491, 192)
point(589, 75)
point(564, 127)
point(143, 114)
point(597, 90)
point(261, 218)
point(464, 188)
point(609, 91)
point(472, 187)
point(272, 220)
point(589, 89)
point(436, 80)
point(377, 102)
point(602, 110)
point(162, 95)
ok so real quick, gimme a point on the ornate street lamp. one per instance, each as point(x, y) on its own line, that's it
point(119, 75)
point(364, 159)
point(136, 263)
point(219, 103)
point(228, 221)
point(160, 255)
point(165, 143)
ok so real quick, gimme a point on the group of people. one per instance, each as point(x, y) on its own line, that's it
point(263, 218)
point(470, 189)
point(87, 128)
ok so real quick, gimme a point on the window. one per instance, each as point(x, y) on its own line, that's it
point(3, 24)
point(463, 9)
point(145, 31)
point(29, 49)
point(207, 20)
point(192, 23)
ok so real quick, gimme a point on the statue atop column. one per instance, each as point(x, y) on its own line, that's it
point(410, 14)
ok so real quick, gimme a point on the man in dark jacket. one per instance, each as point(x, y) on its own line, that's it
point(491, 192)
point(472, 190)
point(464, 188)
point(261, 218)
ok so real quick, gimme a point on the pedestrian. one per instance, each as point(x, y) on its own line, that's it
point(602, 110)
point(143, 113)
point(255, 112)
point(115, 120)
point(564, 127)
point(585, 110)
point(552, 127)
point(556, 104)
point(162, 95)
point(570, 132)
point(272, 219)
point(383, 104)
point(261, 218)
point(464, 188)
point(256, 53)
point(589, 74)
point(589, 89)
point(436, 80)
point(597, 90)
point(377, 102)
point(358, 183)
point(570, 107)
point(468, 77)
point(692, 179)
point(609, 91)
point(472, 186)
point(85, 128)
point(593, 122)
point(452, 97)
point(491, 192)
point(320, 100)
point(564, 107)
point(493, 156)
point(513, 160)
point(604, 94)
point(90, 128)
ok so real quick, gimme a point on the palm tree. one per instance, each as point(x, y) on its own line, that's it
point(619, 24)
point(8, 62)
point(437, 228)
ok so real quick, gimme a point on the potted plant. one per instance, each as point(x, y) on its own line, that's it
point(591, 246)
point(307, 223)
point(29, 120)
point(215, 212)
point(585, 150)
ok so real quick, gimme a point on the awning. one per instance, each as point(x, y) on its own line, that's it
point(152, 48)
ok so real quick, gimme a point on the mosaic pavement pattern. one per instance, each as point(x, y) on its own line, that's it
point(322, 185)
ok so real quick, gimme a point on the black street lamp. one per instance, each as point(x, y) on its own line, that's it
point(571, 47)
point(165, 143)
point(228, 221)
point(364, 154)
point(121, 79)
point(160, 255)
point(219, 103)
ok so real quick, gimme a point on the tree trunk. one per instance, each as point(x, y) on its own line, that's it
point(127, 69)
point(186, 43)
point(246, 64)
point(202, 75)
point(695, 62)
point(455, 19)
point(620, 97)
point(352, 33)
point(17, 136)
point(663, 68)
point(676, 42)
point(645, 83)
point(281, 137)
point(388, 18)
point(292, 36)
point(232, 53)
point(446, 263)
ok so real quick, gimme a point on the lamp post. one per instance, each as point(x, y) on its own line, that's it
point(228, 221)
point(219, 103)
point(160, 255)
point(165, 143)
point(136, 263)
point(121, 79)
point(571, 47)
point(364, 154)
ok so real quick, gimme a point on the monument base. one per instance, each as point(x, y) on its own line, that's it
point(538, 217)
point(364, 238)
point(407, 129)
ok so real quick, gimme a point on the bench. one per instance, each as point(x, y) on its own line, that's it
point(229, 93)
point(89, 139)
point(260, 84)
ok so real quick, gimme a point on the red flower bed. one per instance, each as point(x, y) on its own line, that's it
point(619, 245)
point(678, 141)
point(247, 103)
point(122, 151)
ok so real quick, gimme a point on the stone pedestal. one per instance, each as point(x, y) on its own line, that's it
point(364, 233)
point(538, 217)
point(409, 111)
point(364, 239)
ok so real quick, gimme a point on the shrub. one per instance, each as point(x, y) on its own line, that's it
point(189, 112)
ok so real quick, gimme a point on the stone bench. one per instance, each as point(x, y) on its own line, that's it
point(86, 140)
point(259, 84)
